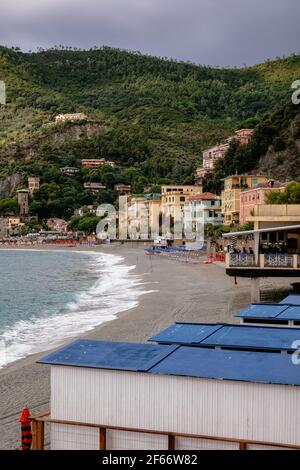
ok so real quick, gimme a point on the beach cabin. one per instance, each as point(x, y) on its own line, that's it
point(107, 395)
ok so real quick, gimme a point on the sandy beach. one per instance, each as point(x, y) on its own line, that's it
point(183, 292)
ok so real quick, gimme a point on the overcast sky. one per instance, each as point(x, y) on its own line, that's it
point(214, 32)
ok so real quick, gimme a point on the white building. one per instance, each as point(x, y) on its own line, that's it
point(206, 208)
point(107, 395)
point(70, 117)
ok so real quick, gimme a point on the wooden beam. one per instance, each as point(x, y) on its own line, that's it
point(243, 445)
point(102, 438)
point(38, 435)
point(171, 442)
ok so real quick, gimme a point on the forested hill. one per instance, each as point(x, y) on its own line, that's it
point(274, 150)
point(155, 114)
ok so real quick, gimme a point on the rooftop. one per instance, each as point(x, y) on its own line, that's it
point(230, 336)
point(204, 197)
point(274, 312)
point(179, 361)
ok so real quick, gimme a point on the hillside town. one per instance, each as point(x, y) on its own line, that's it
point(234, 207)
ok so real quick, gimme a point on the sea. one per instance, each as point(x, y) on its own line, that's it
point(47, 297)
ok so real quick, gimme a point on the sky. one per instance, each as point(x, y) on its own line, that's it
point(211, 32)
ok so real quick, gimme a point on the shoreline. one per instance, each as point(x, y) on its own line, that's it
point(31, 358)
point(185, 292)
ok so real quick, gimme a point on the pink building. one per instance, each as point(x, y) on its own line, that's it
point(213, 154)
point(57, 225)
point(250, 198)
point(244, 136)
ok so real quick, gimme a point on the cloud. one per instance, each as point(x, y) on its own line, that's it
point(215, 32)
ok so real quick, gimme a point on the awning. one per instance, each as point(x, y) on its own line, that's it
point(286, 228)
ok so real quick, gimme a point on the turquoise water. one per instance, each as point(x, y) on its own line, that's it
point(46, 297)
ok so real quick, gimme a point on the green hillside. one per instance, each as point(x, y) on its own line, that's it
point(274, 150)
point(153, 116)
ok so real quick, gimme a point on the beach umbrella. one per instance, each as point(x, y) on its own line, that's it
point(26, 429)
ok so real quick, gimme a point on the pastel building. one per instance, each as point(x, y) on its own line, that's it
point(61, 118)
point(33, 183)
point(57, 225)
point(249, 198)
point(91, 163)
point(14, 223)
point(215, 153)
point(94, 187)
point(143, 216)
point(69, 170)
point(175, 197)
point(231, 200)
point(123, 188)
point(206, 208)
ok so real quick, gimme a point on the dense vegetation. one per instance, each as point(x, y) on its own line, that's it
point(291, 195)
point(274, 133)
point(152, 116)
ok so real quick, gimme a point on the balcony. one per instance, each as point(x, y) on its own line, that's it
point(274, 264)
point(271, 260)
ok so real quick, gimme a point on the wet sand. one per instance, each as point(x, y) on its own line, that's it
point(184, 292)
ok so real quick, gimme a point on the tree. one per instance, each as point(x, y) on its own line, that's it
point(291, 195)
point(9, 205)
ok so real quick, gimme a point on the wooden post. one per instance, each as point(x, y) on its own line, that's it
point(171, 442)
point(102, 438)
point(38, 435)
point(243, 445)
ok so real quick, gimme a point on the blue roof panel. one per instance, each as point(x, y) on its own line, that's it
point(109, 355)
point(261, 311)
point(253, 337)
point(230, 365)
point(293, 299)
point(230, 336)
point(181, 361)
point(291, 313)
point(185, 333)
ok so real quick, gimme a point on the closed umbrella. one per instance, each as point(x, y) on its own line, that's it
point(26, 429)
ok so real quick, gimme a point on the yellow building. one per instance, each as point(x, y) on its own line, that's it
point(14, 223)
point(33, 183)
point(174, 197)
point(144, 214)
point(233, 186)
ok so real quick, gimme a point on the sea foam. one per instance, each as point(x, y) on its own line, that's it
point(115, 290)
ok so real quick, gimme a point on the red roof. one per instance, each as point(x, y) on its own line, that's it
point(203, 197)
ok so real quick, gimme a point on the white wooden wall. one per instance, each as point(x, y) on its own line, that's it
point(220, 408)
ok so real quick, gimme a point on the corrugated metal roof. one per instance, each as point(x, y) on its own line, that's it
point(230, 336)
point(109, 355)
point(293, 299)
point(181, 361)
point(261, 311)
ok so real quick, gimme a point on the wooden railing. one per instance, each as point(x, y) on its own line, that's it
point(38, 434)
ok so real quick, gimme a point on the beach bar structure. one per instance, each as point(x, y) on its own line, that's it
point(275, 253)
point(107, 395)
